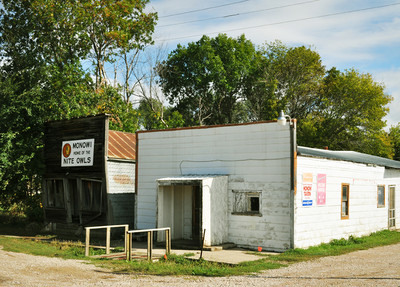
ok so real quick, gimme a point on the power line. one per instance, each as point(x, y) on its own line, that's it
point(238, 14)
point(204, 9)
point(288, 21)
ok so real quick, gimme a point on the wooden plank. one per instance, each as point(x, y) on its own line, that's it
point(87, 242)
point(149, 245)
point(108, 239)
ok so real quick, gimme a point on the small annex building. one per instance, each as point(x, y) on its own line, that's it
point(90, 174)
point(251, 185)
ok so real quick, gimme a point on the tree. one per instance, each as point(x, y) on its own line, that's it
point(204, 80)
point(153, 115)
point(349, 115)
point(394, 134)
point(42, 45)
point(115, 27)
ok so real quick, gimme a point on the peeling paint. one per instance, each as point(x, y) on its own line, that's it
point(123, 179)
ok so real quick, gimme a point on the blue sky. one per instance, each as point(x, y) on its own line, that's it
point(360, 34)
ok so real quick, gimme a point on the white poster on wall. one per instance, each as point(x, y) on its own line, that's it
point(77, 153)
point(307, 192)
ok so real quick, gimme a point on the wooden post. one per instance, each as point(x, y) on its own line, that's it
point(126, 238)
point(129, 247)
point(202, 244)
point(108, 240)
point(149, 245)
point(168, 241)
point(87, 241)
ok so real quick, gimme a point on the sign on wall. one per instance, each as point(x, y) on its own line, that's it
point(307, 192)
point(77, 153)
point(321, 189)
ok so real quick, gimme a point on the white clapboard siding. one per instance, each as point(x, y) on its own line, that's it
point(317, 224)
point(256, 157)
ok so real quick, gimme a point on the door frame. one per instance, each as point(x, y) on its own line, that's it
point(392, 207)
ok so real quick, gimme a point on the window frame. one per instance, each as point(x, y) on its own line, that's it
point(347, 201)
point(92, 201)
point(382, 205)
point(246, 206)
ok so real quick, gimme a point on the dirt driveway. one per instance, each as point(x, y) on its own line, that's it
point(375, 267)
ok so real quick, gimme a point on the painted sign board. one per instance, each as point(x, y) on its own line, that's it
point(321, 189)
point(77, 153)
point(307, 192)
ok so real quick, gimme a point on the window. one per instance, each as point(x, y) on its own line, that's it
point(246, 203)
point(381, 196)
point(55, 193)
point(91, 190)
point(345, 201)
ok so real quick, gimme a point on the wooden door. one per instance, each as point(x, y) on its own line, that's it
point(392, 207)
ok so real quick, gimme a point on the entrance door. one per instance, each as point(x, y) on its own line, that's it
point(392, 207)
point(196, 214)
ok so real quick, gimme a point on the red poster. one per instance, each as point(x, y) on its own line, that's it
point(321, 189)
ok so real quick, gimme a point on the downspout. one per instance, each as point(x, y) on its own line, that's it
point(293, 178)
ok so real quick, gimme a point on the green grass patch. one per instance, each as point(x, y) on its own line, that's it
point(181, 265)
point(340, 246)
point(50, 248)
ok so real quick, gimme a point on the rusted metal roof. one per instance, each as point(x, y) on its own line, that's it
point(121, 145)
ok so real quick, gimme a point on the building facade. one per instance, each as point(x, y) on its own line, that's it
point(251, 185)
point(90, 174)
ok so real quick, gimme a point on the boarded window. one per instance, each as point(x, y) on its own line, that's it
point(55, 193)
point(381, 196)
point(345, 201)
point(91, 190)
point(246, 202)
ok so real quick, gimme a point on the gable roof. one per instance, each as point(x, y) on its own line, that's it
point(121, 145)
point(348, 156)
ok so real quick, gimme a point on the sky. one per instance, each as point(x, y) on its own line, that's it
point(359, 34)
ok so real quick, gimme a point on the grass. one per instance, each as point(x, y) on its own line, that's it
point(180, 265)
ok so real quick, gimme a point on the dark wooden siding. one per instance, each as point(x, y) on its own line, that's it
point(56, 132)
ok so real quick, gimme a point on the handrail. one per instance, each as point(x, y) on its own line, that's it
point(149, 241)
point(108, 236)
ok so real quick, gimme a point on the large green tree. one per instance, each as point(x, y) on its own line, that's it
point(204, 80)
point(349, 115)
point(394, 135)
point(42, 46)
point(284, 78)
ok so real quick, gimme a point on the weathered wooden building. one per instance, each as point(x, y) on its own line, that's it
point(90, 174)
point(251, 185)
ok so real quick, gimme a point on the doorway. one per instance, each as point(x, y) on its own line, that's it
point(392, 207)
point(196, 215)
point(180, 208)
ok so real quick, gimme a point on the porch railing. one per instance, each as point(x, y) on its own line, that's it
point(150, 233)
point(108, 236)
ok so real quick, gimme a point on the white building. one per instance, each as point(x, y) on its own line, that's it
point(251, 185)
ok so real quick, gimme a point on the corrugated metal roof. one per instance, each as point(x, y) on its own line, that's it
point(121, 145)
point(348, 156)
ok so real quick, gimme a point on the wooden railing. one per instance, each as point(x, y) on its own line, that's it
point(150, 233)
point(108, 236)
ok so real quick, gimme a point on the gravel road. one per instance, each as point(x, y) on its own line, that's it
point(374, 267)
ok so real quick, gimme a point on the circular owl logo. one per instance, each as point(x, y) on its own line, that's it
point(66, 150)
